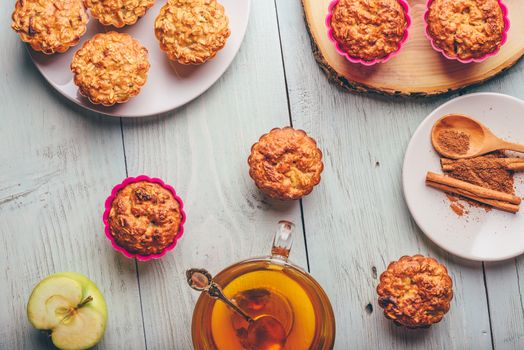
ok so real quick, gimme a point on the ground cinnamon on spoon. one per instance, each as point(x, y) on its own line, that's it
point(454, 141)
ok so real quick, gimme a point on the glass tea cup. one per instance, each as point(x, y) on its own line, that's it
point(266, 286)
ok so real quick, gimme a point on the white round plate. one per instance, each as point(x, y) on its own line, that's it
point(479, 235)
point(169, 85)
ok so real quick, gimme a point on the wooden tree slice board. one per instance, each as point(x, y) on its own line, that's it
point(417, 69)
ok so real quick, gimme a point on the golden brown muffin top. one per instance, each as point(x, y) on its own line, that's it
point(192, 31)
point(466, 28)
point(144, 218)
point(369, 29)
point(110, 68)
point(118, 12)
point(50, 26)
point(415, 291)
point(285, 163)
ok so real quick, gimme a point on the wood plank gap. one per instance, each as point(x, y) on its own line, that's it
point(136, 262)
point(285, 80)
point(487, 302)
point(304, 234)
point(123, 145)
point(291, 124)
point(141, 307)
point(518, 284)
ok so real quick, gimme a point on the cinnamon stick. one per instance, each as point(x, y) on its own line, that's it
point(515, 164)
point(496, 199)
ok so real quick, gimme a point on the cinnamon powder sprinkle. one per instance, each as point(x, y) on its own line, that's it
point(487, 171)
point(457, 206)
point(454, 141)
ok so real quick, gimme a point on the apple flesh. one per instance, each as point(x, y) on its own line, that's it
point(71, 307)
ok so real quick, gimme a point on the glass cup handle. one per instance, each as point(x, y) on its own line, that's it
point(283, 240)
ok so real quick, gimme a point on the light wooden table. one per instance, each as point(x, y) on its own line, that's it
point(59, 162)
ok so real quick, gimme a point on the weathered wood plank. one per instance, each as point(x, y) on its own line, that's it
point(359, 214)
point(57, 166)
point(504, 281)
point(202, 150)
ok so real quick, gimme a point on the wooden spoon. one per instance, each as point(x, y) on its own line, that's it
point(481, 139)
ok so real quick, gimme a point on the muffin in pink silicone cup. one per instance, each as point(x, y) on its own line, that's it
point(368, 31)
point(466, 30)
point(143, 218)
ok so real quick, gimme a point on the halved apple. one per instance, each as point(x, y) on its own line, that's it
point(71, 307)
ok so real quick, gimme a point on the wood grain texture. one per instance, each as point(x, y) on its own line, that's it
point(504, 280)
point(360, 216)
point(417, 69)
point(57, 165)
point(202, 149)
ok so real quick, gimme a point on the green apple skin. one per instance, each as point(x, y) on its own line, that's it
point(44, 310)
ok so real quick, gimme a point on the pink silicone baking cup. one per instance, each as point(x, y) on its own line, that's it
point(504, 36)
point(109, 201)
point(352, 59)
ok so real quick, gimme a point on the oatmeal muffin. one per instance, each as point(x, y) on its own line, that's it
point(285, 163)
point(369, 29)
point(50, 26)
point(415, 291)
point(144, 218)
point(118, 13)
point(110, 68)
point(192, 31)
point(466, 29)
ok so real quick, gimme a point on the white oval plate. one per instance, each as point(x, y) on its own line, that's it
point(479, 235)
point(169, 85)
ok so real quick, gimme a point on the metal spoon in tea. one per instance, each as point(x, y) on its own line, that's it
point(481, 139)
point(264, 332)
